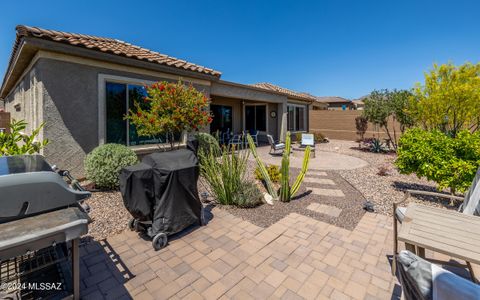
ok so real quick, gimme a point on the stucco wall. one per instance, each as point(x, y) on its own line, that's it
point(70, 108)
point(25, 101)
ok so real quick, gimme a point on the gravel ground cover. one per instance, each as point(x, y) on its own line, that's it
point(383, 190)
point(110, 216)
point(351, 205)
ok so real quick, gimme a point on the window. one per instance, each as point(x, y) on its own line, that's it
point(222, 118)
point(297, 117)
point(120, 97)
point(255, 118)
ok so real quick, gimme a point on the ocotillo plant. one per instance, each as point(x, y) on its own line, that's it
point(287, 192)
point(261, 167)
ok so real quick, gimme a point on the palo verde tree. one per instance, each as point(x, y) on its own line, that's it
point(170, 109)
point(449, 100)
point(384, 105)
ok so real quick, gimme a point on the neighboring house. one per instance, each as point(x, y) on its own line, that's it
point(359, 104)
point(336, 103)
point(81, 86)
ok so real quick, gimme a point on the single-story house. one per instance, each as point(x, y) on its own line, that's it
point(336, 103)
point(81, 86)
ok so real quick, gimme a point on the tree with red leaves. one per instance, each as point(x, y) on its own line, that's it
point(170, 109)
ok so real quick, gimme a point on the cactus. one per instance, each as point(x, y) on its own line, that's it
point(296, 185)
point(286, 192)
point(263, 170)
point(285, 184)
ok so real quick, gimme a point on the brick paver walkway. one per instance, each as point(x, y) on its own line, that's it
point(295, 258)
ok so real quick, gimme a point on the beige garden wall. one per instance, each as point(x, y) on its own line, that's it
point(341, 125)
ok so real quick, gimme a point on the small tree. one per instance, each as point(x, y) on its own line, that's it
point(170, 109)
point(361, 123)
point(384, 105)
point(449, 100)
point(16, 142)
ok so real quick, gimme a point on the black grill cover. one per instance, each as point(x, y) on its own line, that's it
point(175, 204)
point(137, 189)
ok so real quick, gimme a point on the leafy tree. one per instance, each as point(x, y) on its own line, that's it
point(170, 109)
point(384, 105)
point(450, 162)
point(449, 100)
point(361, 123)
point(16, 142)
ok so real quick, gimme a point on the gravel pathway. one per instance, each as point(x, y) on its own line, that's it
point(382, 190)
point(351, 205)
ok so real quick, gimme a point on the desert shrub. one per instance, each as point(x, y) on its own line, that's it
point(104, 163)
point(207, 142)
point(248, 195)
point(361, 124)
point(298, 137)
point(273, 172)
point(17, 143)
point(383, 171)
point(450, 162)
point(318, 136)
point(225, 175)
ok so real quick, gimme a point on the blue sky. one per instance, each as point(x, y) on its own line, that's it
point(326, 48)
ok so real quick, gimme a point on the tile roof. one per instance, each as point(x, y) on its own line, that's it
point(276, 88)
point(108, 45)
point(330, 99)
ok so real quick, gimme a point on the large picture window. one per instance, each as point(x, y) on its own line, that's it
point(120, 97)
point(297, 117)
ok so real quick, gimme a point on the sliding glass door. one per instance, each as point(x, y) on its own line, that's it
point(222, 118)
point(255, 118)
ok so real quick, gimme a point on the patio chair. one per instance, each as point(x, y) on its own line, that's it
point(274, 146)
point(422, 280)
point(225, 136)
point(254, 136)
point(237, 140)
point(470, 206)
point(308, 139)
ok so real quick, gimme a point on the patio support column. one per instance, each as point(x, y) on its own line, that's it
point(282, 121)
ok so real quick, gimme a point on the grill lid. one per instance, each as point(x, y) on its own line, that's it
point(23, 164)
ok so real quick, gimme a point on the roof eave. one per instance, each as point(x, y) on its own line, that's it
point(34, 44)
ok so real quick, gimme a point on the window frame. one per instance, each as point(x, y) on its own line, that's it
point(305, 117)
point(102, 104)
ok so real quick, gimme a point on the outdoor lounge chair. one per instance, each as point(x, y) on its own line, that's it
point(422, 280)
point(470, 206)
point(308, 139)
point(275, 146)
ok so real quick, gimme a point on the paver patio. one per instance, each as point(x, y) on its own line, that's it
point(297, 257)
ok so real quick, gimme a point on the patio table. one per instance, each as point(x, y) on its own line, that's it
point(440, 230)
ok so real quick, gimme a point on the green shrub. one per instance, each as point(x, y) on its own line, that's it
point(207, 142)
point(273, 172)
point(17, 143)
point(104, 163)
point(450, 162)
point(248, 195)
point(225, 175)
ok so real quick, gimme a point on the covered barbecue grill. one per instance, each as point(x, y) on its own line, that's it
point(39, 212)
point(161, 194)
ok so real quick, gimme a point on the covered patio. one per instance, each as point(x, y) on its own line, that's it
point(254, 109)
